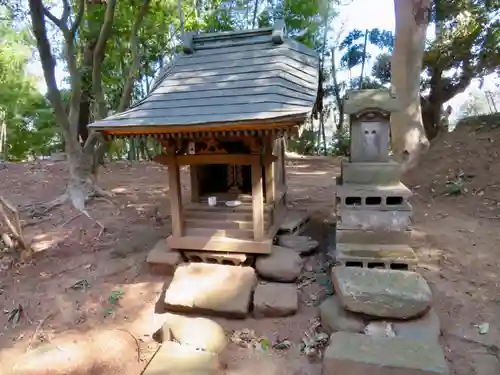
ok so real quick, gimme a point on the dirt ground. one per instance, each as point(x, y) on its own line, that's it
point(71, 285)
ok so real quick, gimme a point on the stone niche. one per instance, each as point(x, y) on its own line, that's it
point(369, 118)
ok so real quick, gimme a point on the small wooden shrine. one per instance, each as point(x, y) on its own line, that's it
point(223, 108)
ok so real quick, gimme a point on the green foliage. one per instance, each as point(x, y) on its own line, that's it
point(353, 45)
point(31, 129)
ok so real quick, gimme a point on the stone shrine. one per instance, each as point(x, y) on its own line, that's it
point(372, 208)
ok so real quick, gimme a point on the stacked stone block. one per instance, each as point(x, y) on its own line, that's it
point(372, 204)
point(381, 317)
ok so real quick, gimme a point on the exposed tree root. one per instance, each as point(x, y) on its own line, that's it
point(10, 215)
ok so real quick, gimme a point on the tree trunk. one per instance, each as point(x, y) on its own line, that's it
point(363, 61)
point(83, 162)
point(338, 99)
point(409, 140)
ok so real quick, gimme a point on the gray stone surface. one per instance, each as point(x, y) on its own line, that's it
point(355, 354)
point(485, 363)
point(196, 332)
point(301, 244)
point(382, 293)
point(372, 220)
point(370, 141)
point(375, 253)
point(211, 288)
point(427, 327)
point(282, 265)
point(371, 173)
point(275, 300)
point(162, 259)
point(335, 318)
point(174, 359)
point(371, 237)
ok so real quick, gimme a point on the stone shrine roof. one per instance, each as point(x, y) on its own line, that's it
point(228, 78)
point(356, 101)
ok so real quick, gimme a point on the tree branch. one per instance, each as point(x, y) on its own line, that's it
point(56, 21)
point(78, 19)
point(135, 63)
point(99, 57)
point(37, 12)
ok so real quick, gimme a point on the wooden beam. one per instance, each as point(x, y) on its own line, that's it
point(174, 190)
point(265, 125)
point(220, 244)
point(257, 201)
point(195, 183)
point(240, 159)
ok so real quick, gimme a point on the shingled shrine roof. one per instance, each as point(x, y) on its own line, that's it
point(255, 76)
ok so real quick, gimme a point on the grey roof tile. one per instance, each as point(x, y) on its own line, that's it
point(231, 77)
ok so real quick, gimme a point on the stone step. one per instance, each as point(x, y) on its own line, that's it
point(354, 353)
point(174, 358)
point(382, 293)
point(401, 257)
point(275, 300)
point(162, 259)
point(214, 289)
point(373, 196)
point(372, 237)
point(371, 220)
point(388, 173)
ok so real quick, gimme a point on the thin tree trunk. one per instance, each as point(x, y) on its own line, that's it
point(254, 18)
point(338, 98)
point(181, 16)
point(363, 61)
point(135, 63)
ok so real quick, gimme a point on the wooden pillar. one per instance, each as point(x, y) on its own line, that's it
point(269, 172)
point(194, 174)
point(283, 155)
point(257, 200)
point(174, 189)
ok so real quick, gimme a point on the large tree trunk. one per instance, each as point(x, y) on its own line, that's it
point(83, 162)
point(409, 140)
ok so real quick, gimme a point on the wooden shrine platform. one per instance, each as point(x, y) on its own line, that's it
point(228, 229)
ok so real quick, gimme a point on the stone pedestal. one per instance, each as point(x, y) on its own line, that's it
point(371, 203)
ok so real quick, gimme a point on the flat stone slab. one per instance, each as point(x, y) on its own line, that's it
point(427, 327)
point(376, 255)
point(302, 244)
point(173, 358)
point(372, 237)
point(212, 289)
point(275, 300)
point(162, 259)
point(372, 220)
point(353, 354)
point(335, 318)
point(196, 332)
point(382, 293)
point(282, 265)
point(388, 173)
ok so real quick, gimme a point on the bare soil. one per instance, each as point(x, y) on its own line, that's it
point(455, 236)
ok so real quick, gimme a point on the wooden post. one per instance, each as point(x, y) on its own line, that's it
point(257, 200)
point(283, 155)
point(194, 174)
point(174, 189)
point(269, 172)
